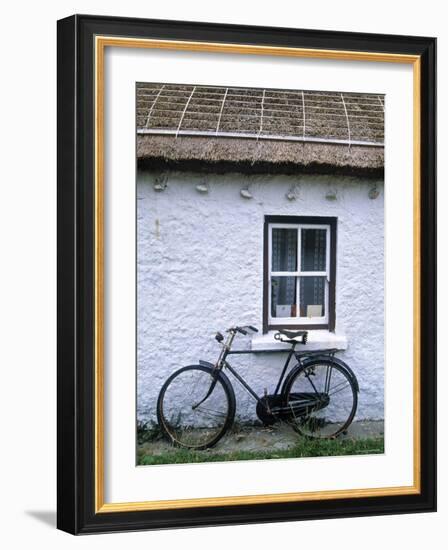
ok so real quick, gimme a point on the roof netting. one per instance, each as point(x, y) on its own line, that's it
point(257, 113)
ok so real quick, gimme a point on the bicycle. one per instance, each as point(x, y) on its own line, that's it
point(318, 398)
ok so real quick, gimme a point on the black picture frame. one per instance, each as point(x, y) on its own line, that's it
point(76, 479)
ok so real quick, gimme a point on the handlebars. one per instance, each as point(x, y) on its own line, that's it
point(244, 330)
point(233, 330)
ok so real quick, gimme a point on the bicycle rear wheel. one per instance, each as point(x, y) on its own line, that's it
point(196, 406)
point(321, 399)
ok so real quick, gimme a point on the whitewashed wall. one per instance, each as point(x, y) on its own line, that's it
point(200, 269)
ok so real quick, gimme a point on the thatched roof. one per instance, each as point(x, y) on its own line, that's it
point(253, 130)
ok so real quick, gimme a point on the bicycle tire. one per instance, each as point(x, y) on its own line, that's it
point(177, 435)
point(313, 424)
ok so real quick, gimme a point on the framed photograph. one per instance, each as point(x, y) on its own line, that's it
point(246, 274)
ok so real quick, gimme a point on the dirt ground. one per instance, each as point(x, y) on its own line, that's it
point(258, 438)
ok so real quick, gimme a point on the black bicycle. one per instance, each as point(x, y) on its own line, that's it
point(318, 397)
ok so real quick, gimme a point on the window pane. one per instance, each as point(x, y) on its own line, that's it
point(283, 297)
point(312, 296)
point(284, 249)
point(313, 249)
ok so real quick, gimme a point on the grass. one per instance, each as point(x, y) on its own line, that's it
point(303, 448)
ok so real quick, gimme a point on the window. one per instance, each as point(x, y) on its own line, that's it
point(299, 272)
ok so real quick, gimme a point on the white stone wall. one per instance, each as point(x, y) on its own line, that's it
point(200, 269)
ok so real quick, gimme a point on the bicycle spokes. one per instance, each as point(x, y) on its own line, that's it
point(321, 400)
point(194, 407)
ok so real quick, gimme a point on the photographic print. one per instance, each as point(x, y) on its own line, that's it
point(260, 273)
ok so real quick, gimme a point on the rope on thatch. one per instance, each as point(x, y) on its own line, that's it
point(184, 111)
point(303, 114)
point(153, 104)
point(348, 121)
point(220, 112)
point(260, 131)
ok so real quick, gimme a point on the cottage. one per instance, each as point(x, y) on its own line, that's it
point(262, 207)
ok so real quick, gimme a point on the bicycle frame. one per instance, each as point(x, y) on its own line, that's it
point(241, 379)
point(222, 362)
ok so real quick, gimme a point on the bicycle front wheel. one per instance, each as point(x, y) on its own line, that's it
point(321, 400)
point(196, 406)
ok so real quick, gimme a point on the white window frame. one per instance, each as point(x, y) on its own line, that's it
point(299, 320)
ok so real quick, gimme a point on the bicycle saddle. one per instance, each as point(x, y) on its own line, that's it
point(291, 334)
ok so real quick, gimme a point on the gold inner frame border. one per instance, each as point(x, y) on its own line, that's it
point(101, 42)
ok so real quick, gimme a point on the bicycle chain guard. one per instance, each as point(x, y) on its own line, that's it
point(305, 403)
point(263, 409)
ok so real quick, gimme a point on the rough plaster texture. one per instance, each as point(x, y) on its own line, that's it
point(199, 270)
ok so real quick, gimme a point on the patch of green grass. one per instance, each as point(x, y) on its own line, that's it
point(303, 448)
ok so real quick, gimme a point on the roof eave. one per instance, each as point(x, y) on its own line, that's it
point(248, 156)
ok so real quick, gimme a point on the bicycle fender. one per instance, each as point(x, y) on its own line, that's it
point(339, 362)
point(349, 371)
point(222, 375)
point(316, 358)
